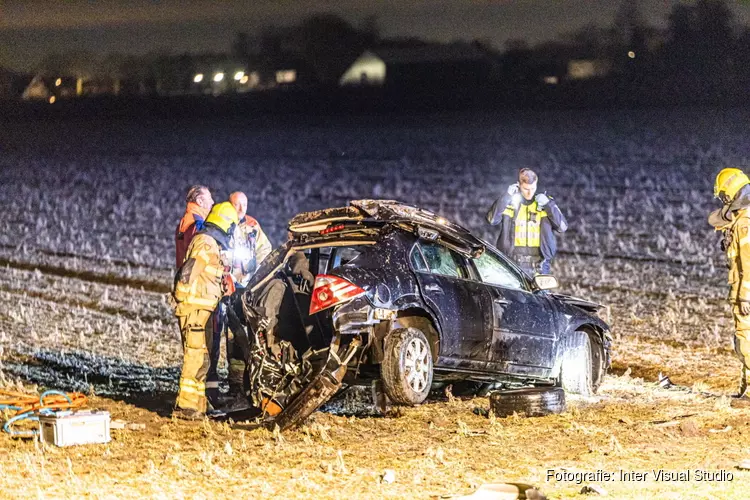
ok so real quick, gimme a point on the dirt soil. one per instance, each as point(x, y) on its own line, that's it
point(441, 449)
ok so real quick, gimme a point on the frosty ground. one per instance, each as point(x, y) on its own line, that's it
point(89, 214)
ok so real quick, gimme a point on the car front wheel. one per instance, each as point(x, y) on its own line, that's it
point(406, 369)
point(576, 368)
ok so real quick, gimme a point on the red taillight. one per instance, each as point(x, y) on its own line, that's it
point(331, 290)
point(332, 229)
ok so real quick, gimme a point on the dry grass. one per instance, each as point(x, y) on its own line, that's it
point(635, 187)
point(437, 449)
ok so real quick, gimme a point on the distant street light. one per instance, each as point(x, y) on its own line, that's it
point(631, 54)
point(239, 75)
point(52, 99)
point(218, 77)
point(58, 82)
point(198, 78)
point(244, 80)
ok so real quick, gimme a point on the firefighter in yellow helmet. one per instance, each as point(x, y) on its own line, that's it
point(199, 285)
point(732, 187)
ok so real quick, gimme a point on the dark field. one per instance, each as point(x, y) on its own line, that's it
point(89, 213)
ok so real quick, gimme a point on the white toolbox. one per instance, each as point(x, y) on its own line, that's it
point(68, 428)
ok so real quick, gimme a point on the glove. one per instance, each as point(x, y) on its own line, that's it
point(513, 189)
point(542, 200)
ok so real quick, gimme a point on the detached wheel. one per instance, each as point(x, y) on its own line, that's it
point(532, 402)
point(577, 367)
point(406, 369)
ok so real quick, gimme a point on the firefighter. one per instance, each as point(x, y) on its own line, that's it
point(250, 243)
point(732, 187)
point(199, 203)
point(199, 285)
point(249, 247)
point(528, 222)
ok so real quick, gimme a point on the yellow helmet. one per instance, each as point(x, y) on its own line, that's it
point(729, 182)
point(223, 215)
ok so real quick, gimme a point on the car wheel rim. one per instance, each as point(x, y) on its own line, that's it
point(417, 365)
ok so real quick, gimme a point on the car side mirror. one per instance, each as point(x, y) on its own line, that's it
point(545, 281)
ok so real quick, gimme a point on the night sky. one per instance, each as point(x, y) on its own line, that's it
point(31, 28)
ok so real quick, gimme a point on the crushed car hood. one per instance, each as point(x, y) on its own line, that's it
point(586, 305)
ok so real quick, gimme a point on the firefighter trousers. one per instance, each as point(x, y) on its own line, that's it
point(196, 329)
point(742, 346)
point(235, 358)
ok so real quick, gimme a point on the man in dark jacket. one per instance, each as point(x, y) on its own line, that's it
point(528, 222)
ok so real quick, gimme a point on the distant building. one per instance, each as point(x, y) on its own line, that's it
point(584, 69)
point(37, 89)
point(420, 65)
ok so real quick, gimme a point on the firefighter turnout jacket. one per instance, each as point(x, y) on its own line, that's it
point(525, 228)
point(191, 223)
point(737, 243)
point(250, 247)
point(198, 283)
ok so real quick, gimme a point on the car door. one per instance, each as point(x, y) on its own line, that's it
point(524, 322)
point(456, 300)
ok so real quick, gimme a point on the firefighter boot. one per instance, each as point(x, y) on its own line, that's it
point(742, 349)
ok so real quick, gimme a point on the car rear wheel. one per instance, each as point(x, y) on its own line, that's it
point(406, 369)
point(576, 368)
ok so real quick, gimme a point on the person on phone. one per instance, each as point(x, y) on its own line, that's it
point(528, 223)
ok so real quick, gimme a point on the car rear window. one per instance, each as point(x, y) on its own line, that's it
point(344, 255)
point(417, 261)
point(443, 261)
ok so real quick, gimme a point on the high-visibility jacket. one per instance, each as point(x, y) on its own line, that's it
point(527, 220)
point(738, 256)
point(525, 229)
point(250, 246)
point(198, 284)
point(190, 224)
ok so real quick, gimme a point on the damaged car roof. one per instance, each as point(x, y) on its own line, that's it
point(387, 211)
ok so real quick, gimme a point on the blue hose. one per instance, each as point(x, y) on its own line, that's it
point(30, 415)
point(47, 393)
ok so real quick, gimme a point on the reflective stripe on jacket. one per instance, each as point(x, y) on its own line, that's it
point(198, 282)
point(503, 213)
point(738, 257)
point(527, 223)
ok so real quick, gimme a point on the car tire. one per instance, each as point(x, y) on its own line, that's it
point(576, 367)
point(532, 402)
point(406, 369)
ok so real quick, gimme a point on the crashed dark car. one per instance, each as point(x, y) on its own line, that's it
point(403, 296)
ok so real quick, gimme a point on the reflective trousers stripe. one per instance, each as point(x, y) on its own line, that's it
point(192, 386)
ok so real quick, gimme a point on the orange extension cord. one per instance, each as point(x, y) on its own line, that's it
point(27, 406)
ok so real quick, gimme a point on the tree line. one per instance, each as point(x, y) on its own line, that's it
point(703, 47)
